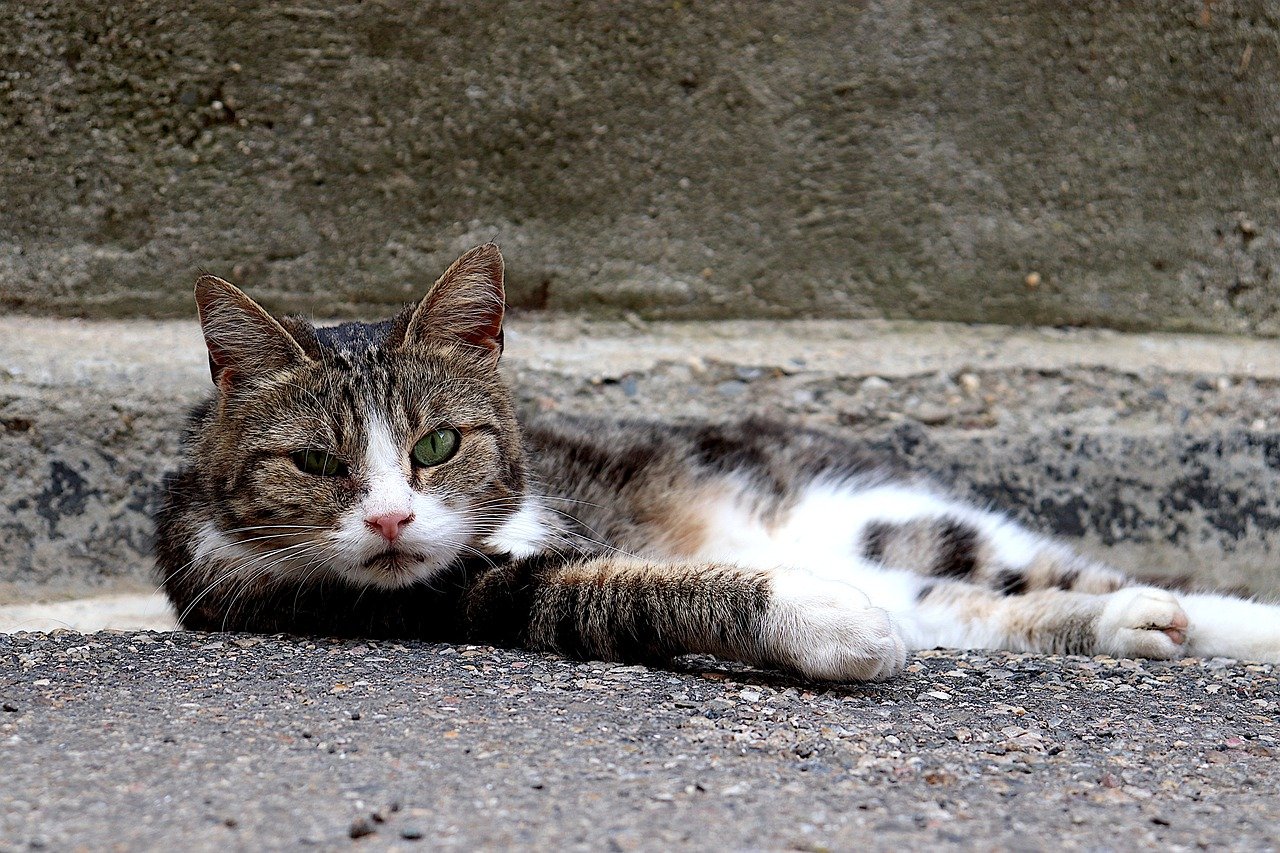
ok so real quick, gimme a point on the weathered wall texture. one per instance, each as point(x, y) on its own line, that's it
point(1107, 163)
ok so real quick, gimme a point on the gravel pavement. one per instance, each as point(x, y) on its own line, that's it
point(152, 740)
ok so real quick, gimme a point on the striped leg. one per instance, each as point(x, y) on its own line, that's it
point(1131, 622)
point(948, 540)
point(621, 608)
point(983, 581)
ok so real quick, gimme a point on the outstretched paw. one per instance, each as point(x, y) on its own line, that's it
point(1143, 622)
point(827, 630)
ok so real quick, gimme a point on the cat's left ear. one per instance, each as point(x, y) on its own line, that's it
point(464, 307)
point(244, 341)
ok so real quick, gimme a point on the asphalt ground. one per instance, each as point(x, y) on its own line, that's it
point(229, 742)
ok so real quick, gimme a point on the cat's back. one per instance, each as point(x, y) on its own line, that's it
point(619, 452)
point(674, 489)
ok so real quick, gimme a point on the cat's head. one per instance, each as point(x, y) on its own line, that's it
point(375, 453)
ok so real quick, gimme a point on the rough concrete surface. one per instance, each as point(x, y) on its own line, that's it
point(227, 742)
point(1102, 162)
point(1160, 453)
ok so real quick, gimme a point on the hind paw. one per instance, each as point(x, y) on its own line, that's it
point(1143, 622)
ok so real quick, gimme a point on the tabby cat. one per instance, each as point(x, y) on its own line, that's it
point(372, 480)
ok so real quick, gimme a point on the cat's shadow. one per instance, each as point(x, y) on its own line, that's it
point(710, 668)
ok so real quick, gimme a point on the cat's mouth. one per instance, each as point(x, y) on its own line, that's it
point(394, 561)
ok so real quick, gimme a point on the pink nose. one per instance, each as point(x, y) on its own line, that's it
point(390, 524)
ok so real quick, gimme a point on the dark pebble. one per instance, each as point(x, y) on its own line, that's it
point(360, 828)
point(411, 833)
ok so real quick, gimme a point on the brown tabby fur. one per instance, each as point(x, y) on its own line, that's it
point(619, 576)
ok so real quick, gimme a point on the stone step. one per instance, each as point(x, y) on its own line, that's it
point(120, 612)
point(1159, 452)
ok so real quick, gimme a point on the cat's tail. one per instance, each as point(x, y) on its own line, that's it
point(1224, 626)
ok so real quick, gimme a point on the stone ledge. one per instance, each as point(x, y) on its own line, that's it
point(1159, 452)
point(159, 353)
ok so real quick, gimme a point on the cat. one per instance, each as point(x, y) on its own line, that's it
point(372, 480)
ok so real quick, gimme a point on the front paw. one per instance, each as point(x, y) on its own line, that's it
point(826, 630)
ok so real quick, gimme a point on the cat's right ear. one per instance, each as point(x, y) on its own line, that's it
point(242, 338)
point(464, 308)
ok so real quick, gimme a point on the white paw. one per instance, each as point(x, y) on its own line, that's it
point(1143, 622)
point(827, 630)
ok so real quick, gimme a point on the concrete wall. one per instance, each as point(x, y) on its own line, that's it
point(1108, 163)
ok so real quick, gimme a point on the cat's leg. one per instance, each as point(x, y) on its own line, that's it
point(1131, 622)
point(946, 541)
point(620, 608)
point(912, 527)
point(1226, 626)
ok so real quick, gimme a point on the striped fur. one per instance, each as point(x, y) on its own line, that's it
point(757, 541)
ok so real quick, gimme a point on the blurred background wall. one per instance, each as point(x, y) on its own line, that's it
point(1104, 163)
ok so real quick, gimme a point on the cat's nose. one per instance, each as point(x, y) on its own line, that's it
point(389, 524)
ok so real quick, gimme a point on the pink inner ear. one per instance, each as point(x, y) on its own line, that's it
point(215, 369)
point(487, 333)
point(219, 360)
point(486, 280)
point(465, 305)
point(221, 369)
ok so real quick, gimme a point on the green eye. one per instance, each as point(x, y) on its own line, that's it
point(436, 447)
point(319, 462)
